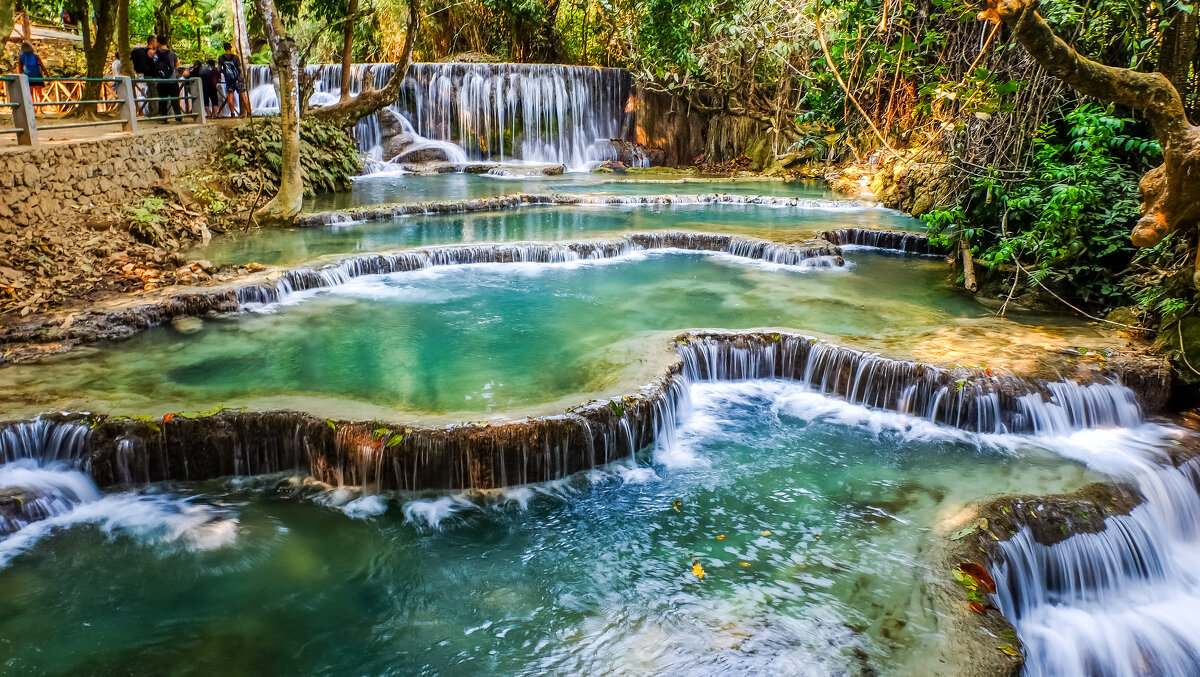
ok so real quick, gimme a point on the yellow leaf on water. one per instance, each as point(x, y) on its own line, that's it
point(745, 564)
point(697, 570)
point(676, 504)
point(766, 533)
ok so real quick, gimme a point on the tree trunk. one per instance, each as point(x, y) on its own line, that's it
point(283, 208)
point(7, 18)
point(124, 49)
point(346, 114)
point(348, 49)
point(1170, 192)
point(1179, 49)
point(96, 40)
point(162, 20)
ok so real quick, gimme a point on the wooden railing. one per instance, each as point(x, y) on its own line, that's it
point(128, 99)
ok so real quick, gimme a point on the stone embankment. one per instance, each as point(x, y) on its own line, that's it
point(58, 179)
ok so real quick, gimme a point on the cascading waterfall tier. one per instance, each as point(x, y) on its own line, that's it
point(42, 466)
point(485, 456)
point(889, 240)
point(818, 254)
point(538, 113)
point(968, 399)
point(494, 204)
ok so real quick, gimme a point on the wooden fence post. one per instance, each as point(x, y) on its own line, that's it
point(126, 93)
point(23, 113)
point(196, 92)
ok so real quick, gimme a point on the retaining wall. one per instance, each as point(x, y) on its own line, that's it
point(54, 179)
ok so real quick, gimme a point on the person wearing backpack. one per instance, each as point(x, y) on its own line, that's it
point(235, 86)
point(168, 69)
point(30, 65)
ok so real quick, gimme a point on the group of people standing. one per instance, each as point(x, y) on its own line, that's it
point(157, 61)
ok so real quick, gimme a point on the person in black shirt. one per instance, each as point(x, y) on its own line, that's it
point(235, 85)
point(142, 59)
point(210, 78)
point(168, 69)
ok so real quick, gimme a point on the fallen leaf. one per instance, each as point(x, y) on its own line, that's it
point(1008, 650)
point(766, 533)
point(721, 537)
point(167, 418)
point(676, 504)
point(697, 570)
point(981, 576)
point(976, 607)
point(745, 564)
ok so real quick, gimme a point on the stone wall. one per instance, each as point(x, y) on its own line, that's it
point(62, 178)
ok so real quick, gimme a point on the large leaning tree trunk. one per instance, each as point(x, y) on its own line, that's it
point(283, 208)
point(347, 112)
point(1171, 191)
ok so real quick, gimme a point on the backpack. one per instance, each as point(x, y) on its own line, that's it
point(230, 69)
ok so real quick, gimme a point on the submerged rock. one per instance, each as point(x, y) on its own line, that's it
point(187, 325)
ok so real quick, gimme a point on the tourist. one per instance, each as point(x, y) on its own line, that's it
point(30, 65)
point(235, 85)
point(168, 69)
point(145, 67)
point(116, 75)
point(210, 80)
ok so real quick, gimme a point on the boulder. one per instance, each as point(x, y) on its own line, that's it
point(419, 155)
point(395, 134)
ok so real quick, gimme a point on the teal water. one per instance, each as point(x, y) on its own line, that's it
point(484, 338)
point(377, 189)
point(294, 246)
point(829, 506)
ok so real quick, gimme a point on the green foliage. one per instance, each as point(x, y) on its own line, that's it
point(252, 158)
point(1068, 223)
point(146, 221)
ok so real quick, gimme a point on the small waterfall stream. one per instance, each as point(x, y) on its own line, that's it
point(1122, 602)
point(533, 113)
point(42, 472)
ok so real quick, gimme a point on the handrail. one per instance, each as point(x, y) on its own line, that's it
point(125, 104)
point(80, 102)
point(79, 79)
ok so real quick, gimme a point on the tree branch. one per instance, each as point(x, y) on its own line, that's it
point(346, 114)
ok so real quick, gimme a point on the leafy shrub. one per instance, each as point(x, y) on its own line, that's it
point(252, 158)
point(146, 221)
point(1068, 222)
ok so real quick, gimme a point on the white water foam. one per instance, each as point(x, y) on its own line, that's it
point(150, 519)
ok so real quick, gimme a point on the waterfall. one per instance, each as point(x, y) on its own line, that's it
point(966, 399)
point(804, 257)
point(1121, 602)
point(41, 472)
point(890, 240)
point(534, 113)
